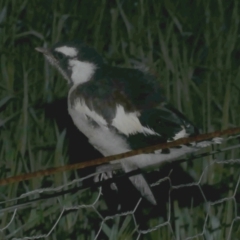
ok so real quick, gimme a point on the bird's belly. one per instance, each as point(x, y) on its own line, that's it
point(99, 136)
point(81, 122)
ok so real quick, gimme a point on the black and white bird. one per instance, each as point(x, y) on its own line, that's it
point(119, 109)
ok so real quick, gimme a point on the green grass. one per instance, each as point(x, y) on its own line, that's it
point(191, 46)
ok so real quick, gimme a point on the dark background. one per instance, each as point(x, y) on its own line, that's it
point(192, 47)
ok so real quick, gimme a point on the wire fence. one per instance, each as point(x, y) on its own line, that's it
point(205, 206)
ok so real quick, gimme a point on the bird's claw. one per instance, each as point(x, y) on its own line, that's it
point(105, 174)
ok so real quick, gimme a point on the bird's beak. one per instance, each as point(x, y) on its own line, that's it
point(52, 60)
point(45, 51)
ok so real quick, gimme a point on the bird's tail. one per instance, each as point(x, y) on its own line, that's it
point(133, 163)
point(139, 181)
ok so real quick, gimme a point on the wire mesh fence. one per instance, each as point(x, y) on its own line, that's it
point(205, 206)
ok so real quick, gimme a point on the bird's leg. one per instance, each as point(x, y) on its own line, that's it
point(105, 172)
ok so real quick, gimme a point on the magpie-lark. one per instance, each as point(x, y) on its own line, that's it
point(120, 109)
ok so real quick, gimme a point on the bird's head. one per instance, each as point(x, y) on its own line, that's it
point(76, 61)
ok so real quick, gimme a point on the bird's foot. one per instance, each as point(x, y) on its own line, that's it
point(105, 173)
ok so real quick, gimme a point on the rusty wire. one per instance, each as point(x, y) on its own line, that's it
point(99, 161)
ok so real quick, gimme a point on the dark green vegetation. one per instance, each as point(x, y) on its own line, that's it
point(193, 49)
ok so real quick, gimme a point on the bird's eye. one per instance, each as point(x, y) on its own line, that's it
point(59, 56)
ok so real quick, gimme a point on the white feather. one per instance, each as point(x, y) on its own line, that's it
point(81, 107)
point(128, 123)
point(81, 71)
point(68, 51)
point(181, 134)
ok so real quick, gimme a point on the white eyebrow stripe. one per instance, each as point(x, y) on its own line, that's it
point(68, 51)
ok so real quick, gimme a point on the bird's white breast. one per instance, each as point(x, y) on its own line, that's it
point(101, 137)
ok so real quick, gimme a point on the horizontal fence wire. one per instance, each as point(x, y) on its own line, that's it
point(78, 209)
point(99, 161)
